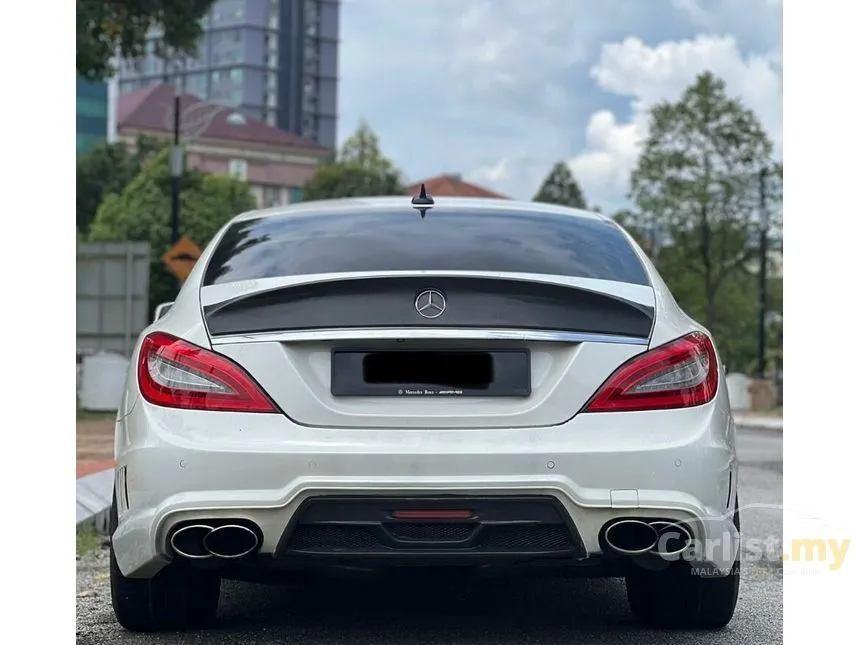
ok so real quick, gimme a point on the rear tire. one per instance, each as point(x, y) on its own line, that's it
point(175, 598)
point(676, 598)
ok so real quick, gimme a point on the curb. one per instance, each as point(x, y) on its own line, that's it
point(763, 425)
point(94, 495)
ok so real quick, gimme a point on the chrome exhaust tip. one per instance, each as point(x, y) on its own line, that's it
point(231, 541)
point(630, 537)
point(672, 538)
point(189, 541)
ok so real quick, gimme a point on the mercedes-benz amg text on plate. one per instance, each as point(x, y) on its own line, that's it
point(476, 382)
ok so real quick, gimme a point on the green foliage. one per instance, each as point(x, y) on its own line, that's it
point(360, 170)
point(120, 26)
point(141, 212)
point(109, 168)
point(87, 541)
point(331, 181)
point(560, 187)
point(698, 183)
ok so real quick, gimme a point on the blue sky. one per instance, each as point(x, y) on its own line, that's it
point(499, 90)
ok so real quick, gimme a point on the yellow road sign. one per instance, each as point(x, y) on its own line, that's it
point(180, 259)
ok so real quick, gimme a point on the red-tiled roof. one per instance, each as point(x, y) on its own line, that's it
point(151, 109)
point(452, 186)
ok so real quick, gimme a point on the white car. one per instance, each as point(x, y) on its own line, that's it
point(465, 382)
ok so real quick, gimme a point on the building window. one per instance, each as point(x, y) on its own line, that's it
point(311, 11)
point(271, 196)
point(238, 168)
point(196, 84)
point(87, 106)
point(295, 195)
point(86, 142)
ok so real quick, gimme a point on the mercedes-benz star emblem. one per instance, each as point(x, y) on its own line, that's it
point(430, 303)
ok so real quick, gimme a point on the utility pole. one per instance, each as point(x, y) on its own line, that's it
point(762, 272)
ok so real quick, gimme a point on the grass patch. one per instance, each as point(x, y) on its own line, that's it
point(87, 541)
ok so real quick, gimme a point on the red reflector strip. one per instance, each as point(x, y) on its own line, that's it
point(432, 515)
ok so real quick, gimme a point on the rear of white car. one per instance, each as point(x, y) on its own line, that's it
point(354, 383)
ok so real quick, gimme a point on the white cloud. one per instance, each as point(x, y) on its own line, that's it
point(491, 174)
point(652, 74)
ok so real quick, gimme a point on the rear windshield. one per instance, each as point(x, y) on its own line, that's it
point(400, 240)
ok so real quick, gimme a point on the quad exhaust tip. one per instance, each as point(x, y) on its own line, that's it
point(203, 541)
point(673, 538)
point(230, 541)
point(631, 537)
point(637, 537)
point(188, 541)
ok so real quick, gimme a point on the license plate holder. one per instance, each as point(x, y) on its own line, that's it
point(431, 373)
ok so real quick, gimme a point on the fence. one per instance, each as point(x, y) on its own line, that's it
point(112, 295)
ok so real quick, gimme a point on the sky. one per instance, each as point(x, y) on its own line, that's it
point(500, 90)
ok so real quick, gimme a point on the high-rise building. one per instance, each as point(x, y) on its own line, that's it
point(92, 114)
point(274, 60)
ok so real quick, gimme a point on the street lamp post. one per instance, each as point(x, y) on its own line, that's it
point(187, 125)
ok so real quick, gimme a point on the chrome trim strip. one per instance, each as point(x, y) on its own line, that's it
point(419, 333)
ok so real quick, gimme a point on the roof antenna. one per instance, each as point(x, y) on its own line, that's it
point(422, 202)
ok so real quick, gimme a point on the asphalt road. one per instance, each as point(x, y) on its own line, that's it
point(436, 609)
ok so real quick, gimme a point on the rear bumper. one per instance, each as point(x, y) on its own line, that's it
point(181, 466)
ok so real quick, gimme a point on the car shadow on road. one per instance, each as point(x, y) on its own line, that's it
point(423, 604)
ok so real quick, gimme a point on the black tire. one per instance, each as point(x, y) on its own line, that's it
point(676, 598)
point(175, 598)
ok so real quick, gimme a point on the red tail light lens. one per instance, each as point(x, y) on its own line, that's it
point(680, 374)
point(176, 374)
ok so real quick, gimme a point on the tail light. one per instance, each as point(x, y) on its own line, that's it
point(680, 374)
point(176, 374)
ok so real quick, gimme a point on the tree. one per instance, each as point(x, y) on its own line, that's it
point(141, 212)
point(697, 184)
point(120, 27)
point(560, 187)
point(359, 170)
point(107, 169)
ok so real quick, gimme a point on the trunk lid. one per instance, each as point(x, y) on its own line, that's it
point(497, 350)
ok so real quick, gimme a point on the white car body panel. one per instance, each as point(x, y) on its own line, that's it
point(298, 378)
